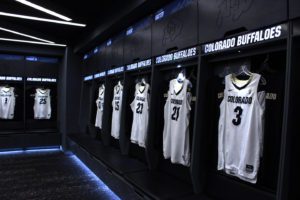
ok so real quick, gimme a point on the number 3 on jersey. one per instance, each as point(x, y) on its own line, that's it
point(175, 114)
point(239, 111)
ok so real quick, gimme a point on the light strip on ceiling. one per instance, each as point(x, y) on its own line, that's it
point(41, 19)
point(32, 42)
point(25, 35)
point(40, 8)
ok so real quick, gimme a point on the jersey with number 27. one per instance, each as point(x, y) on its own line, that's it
point(42, 104)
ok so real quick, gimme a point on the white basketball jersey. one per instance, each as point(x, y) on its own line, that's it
point(116, 114)
point(8, 101)
point(241, 128)
point(177, 109)
point(100, 105)
point(42, 104)
point(140, 109)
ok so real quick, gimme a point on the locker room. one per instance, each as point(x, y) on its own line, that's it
point(137, 99)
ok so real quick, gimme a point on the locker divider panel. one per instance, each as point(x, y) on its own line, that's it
point(294, 9)
point(218, 184)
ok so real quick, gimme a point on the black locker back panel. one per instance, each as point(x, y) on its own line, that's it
point(177, 28)
point(137, 45)
point(216, 17)
point(107, 56)
point(90, 65)
point(294, 8)
point(100, 60)
point(41, 67)
point(11, 65)
point(117, 52)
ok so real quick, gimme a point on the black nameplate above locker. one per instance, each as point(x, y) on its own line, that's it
point(177, 56)
point(255, 37)
point(46, 80)
point(88, 78)
point(115, 70)
point(99, 75)
point(10, 78)
point(138, 65)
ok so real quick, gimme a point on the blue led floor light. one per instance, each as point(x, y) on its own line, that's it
point(100, 184)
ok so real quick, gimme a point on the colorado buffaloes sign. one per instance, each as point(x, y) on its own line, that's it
point(259, 36)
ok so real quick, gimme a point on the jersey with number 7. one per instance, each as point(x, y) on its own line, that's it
point(241, 128)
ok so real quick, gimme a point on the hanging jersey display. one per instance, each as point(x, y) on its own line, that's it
point(42, 104)
point(8, 101)
point(140, 109)
point(176, 123)
point(241, 128)
point(100, 104)
point(116, 114)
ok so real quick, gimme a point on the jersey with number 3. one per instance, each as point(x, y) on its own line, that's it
point(177, 109)
point(241, 128)
point(140, 109)
point(8, 101)
point(42, 104)
point(116, 113)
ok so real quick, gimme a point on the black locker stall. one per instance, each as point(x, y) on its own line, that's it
point(266, 56)
point(26, 73)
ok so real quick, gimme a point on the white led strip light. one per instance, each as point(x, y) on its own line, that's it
point(32, 42)
point(25, 35)
point(40, 8)
point(40, 19)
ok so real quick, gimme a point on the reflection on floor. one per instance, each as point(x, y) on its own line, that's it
point(48, 175)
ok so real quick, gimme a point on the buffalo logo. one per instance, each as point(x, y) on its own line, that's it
point(172, 30)
point(232, 9)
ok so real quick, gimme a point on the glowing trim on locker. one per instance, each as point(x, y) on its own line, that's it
point(32, 42)
point(11, 152)
point(187, 53)
point(88, 78)
point(41, 19)
point(40, 8)
point(47, 80)
point(99, 75)
point(25, 35)
point(108, 43)
point(115, 70)
point(10, 78)
point(160, 14)
point(93, 177)
point(129, 31)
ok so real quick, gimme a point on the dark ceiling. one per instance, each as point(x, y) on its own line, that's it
point(97, 15)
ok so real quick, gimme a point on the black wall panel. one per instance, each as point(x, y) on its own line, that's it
point(137, 46)
point(294, 8)
point(41, 69)
point(217, 17)
point(107, 56)
point(178, 29)
point(117, 52)
point(11, 65)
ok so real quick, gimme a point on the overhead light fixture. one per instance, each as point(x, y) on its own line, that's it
point(40, 19)
point(25, 35)
point(32, 42)
point(40, 8)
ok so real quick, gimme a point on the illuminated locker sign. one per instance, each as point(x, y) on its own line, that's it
point(115, 70)
point(100, 75)
point(255, 37)
point(179, 55)
point(10, 78)
point(88, 78)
